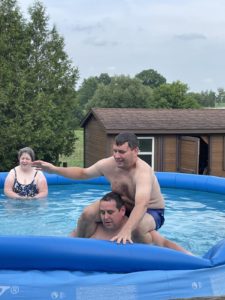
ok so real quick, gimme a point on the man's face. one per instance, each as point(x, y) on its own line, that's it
point(124, 156)
point(111, 216)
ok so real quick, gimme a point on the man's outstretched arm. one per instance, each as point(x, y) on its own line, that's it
point(69, 172)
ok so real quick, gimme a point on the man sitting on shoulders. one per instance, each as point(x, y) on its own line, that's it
point(129, 176)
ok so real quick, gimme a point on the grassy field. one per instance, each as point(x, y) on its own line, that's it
point(76, 159)
point(220, 105)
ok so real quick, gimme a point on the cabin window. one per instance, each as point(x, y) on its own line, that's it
point(146, 152)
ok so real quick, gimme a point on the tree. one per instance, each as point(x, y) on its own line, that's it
point(39, 99)
point(206, 99)
point(104, 78)
point(173, 95)
point(122, 92)
point(85, 94)
point(13, 53)
point(87, 91)
point(151, 78)
point(220, 98)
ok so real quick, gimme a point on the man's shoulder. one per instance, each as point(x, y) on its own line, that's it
point(100, 232)
point(106, 162)
point(143, 166)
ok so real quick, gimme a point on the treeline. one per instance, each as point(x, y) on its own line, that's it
point(148, 89)
point(40, 106)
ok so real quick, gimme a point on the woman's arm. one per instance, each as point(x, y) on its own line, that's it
point(8, 186)
point(42, 186)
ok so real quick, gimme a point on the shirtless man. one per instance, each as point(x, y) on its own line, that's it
point(113, 218)
point(133, 179)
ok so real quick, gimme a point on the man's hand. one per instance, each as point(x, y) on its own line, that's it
point(43, 166)
point(123, 236)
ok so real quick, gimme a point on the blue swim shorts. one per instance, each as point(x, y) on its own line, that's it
point(158, 216)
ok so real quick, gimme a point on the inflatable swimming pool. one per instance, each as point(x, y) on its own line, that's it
point(67, 268)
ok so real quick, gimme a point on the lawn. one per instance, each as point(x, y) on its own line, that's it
point(76, 159)
point(220, 105)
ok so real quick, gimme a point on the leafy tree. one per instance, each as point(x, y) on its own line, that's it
point(104, 78)
point(151, 78)
point(206, 99)
point(87, 91)
point(195, 98)
point(220, 98)
point(37, 87)
point(122, 92)
point(173, 95)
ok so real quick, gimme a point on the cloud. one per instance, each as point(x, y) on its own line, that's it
point(190, 36)
point(88, 28)
point(99, 42)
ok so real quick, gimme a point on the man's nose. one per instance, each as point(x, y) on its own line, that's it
point(106, 215)
point(116, 154)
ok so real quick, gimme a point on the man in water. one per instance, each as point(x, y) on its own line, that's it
point(133, 179)
point(113, 218)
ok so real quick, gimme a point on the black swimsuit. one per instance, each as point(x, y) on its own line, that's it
point(26, 190)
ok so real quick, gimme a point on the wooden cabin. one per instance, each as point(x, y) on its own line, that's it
point(171, 140)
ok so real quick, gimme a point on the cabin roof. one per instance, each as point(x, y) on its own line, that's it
point(156, 121)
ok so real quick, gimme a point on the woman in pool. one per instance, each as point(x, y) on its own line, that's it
point(24, 182)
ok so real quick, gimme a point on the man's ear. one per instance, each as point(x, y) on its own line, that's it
point(136, 150)
point(123, 210)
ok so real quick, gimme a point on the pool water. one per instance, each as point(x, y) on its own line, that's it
point(195, 220)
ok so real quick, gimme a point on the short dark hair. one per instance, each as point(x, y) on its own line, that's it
point(128, 137)
point(114, 196)
point(27, 150)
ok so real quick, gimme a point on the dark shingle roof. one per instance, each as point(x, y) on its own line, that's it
point(197, 121)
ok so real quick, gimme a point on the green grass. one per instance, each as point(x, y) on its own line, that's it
point(76, 159)
point(220, 105)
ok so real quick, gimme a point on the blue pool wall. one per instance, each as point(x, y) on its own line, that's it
point(71, 268)
point(212, 184)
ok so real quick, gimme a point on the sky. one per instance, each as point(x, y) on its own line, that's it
point(180, 39)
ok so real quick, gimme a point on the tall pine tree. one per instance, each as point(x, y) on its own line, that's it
point(37, 87)
point(13, 53)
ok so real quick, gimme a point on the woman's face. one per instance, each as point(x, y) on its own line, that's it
point(25, 160)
